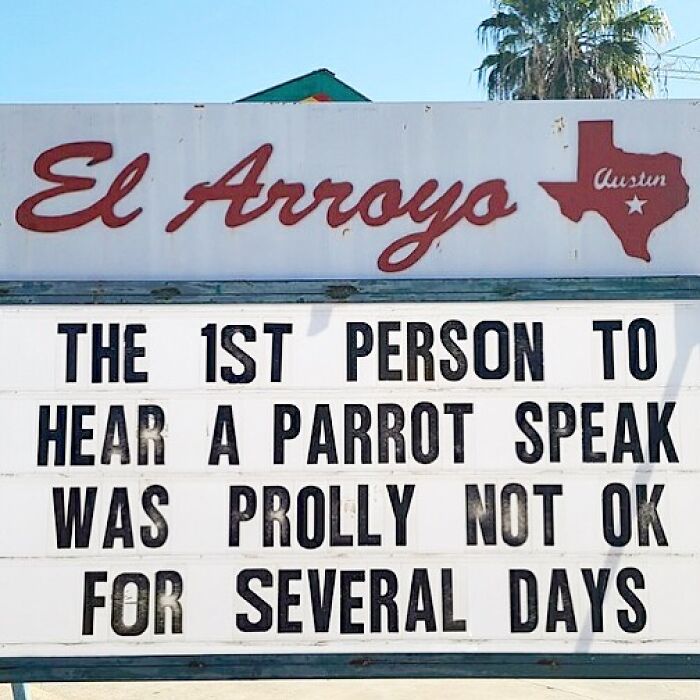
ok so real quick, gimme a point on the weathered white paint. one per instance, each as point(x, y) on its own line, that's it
point(522, 144)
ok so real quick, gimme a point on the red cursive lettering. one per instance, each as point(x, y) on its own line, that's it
point(103, 208)
point(381, 203)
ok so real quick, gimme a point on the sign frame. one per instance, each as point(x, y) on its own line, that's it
point(349, 665)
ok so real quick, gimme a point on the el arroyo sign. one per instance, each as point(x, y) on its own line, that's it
point(249, 199)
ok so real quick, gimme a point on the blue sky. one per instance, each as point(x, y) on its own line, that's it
point(219, 50)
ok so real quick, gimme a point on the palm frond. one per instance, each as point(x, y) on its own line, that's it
point(544, 49)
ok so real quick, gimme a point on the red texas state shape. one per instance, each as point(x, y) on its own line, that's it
point(635, 193)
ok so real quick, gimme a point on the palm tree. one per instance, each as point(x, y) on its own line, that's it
point(569, 49)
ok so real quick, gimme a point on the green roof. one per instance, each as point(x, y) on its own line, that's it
point(320, 85)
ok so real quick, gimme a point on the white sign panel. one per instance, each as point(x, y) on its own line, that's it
point(297, 478)
point(141, 192)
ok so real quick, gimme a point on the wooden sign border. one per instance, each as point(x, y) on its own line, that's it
point(355, 291)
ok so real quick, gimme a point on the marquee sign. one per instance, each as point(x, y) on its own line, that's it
point(424, 405)
point(464, 478)
point(262, 192)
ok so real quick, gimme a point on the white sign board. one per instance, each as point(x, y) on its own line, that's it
point(250, 191)
point(512, 477)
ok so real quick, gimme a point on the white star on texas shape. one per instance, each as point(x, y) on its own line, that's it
point(636, 205)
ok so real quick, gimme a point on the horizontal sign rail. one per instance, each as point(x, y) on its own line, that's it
point(356, 291)
point(350, 666)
